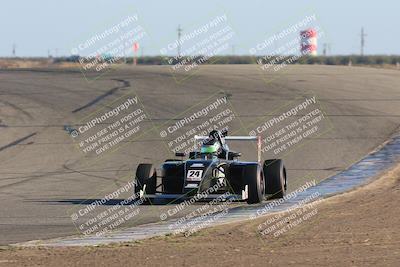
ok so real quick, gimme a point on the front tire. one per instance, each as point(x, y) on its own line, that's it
point(254, 179)
point(275, 178)
point(145, 178)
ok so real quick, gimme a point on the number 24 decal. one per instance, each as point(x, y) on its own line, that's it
point(194, 174)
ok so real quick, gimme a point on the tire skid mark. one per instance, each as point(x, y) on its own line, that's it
point(16, 142)
point(17, 108)
point(58, 172)
point(125, 84)
point(69, 169)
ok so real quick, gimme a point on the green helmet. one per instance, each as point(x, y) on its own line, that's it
point(210, 148)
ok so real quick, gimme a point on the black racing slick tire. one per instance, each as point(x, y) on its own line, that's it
point(145, 175)
point(275, 178)
point(254, 179)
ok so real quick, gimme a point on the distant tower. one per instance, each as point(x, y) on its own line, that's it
point(308, 42)
point(179, 39)
point(14, 48)
point(324, 51)
point(363, 35)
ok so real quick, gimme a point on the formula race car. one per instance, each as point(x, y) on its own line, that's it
point(213, 171)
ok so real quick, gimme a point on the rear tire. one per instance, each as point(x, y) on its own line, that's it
point(145, 175)
point(253, 177)
point(275, 178)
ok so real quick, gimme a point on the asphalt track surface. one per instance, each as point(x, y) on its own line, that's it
point(44, 177)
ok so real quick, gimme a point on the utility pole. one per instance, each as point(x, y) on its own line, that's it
point(363, 35)
point(326, 49)
point(179, 40)
point(275, 45)
point(233, 50)
point(14, 47)
point(124, 52)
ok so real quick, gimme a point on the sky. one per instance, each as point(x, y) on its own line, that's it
point(57, 27)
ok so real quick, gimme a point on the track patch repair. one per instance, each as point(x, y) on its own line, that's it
point(360, 173)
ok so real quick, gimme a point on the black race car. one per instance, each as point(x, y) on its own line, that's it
point(213, 171)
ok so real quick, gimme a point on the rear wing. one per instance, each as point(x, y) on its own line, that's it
point(236, 138)
point(240, 138)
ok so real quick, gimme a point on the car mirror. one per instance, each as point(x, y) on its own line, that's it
point(180, 154)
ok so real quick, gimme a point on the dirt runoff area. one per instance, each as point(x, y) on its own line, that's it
point(359, 228)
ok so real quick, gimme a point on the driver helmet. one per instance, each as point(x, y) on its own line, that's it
point(210, 147)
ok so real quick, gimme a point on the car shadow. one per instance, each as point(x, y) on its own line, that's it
point(111, 202)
